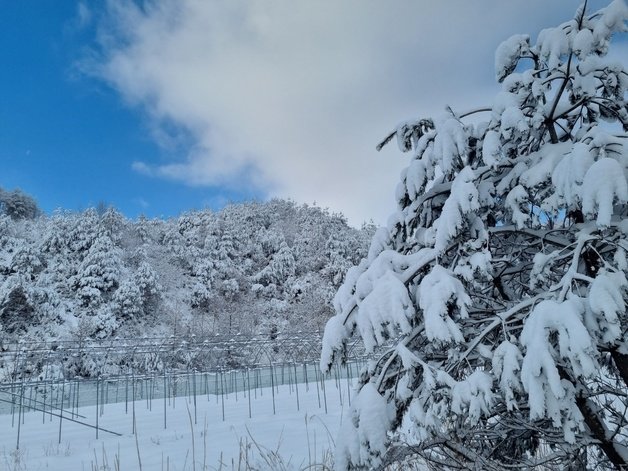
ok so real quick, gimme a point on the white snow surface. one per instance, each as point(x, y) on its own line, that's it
point(300, 438)
point(370, 419)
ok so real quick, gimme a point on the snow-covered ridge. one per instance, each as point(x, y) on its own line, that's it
point(252, 268)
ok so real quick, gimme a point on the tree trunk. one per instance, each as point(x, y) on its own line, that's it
point(621, 362)
point(599, 431)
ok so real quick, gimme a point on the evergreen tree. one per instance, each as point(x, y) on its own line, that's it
point(498, 290)
point(98, 272)
point(18, 205)
point(17, 310)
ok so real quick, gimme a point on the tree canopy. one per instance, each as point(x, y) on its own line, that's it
point(253, 268)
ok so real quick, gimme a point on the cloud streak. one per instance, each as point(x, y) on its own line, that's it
point(292, 97)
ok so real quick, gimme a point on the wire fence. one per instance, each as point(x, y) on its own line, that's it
point(157, 373)
point(66, 400)
point(84, 358)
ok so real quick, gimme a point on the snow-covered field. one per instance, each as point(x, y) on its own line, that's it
point(288, 438)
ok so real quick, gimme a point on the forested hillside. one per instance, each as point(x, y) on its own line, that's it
point(251, 268)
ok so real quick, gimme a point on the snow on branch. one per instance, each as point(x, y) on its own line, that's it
point(463, 199)
point(604, 184)
point(508, 54)
point(384, 311)
point(606, 300)
point(540, 373)
point(441, 294)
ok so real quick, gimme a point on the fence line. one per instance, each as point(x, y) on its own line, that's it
point(118, 357)
point(61, 399)
point(60, 378)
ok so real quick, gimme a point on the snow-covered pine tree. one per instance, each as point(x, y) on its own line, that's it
point(498, 291)
point(18, 205)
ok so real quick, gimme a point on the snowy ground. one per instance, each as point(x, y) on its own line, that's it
point(286, 439)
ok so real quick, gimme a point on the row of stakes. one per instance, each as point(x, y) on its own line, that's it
point(61, 399)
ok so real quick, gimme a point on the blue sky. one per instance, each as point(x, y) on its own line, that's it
point(182, 104)
point(66, 137)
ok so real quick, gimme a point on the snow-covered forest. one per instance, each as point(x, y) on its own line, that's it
point(253, 268)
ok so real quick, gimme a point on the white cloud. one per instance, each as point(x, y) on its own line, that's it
point(141, 167)
point(292, 97)
point(83, 15)
point(141, 202)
